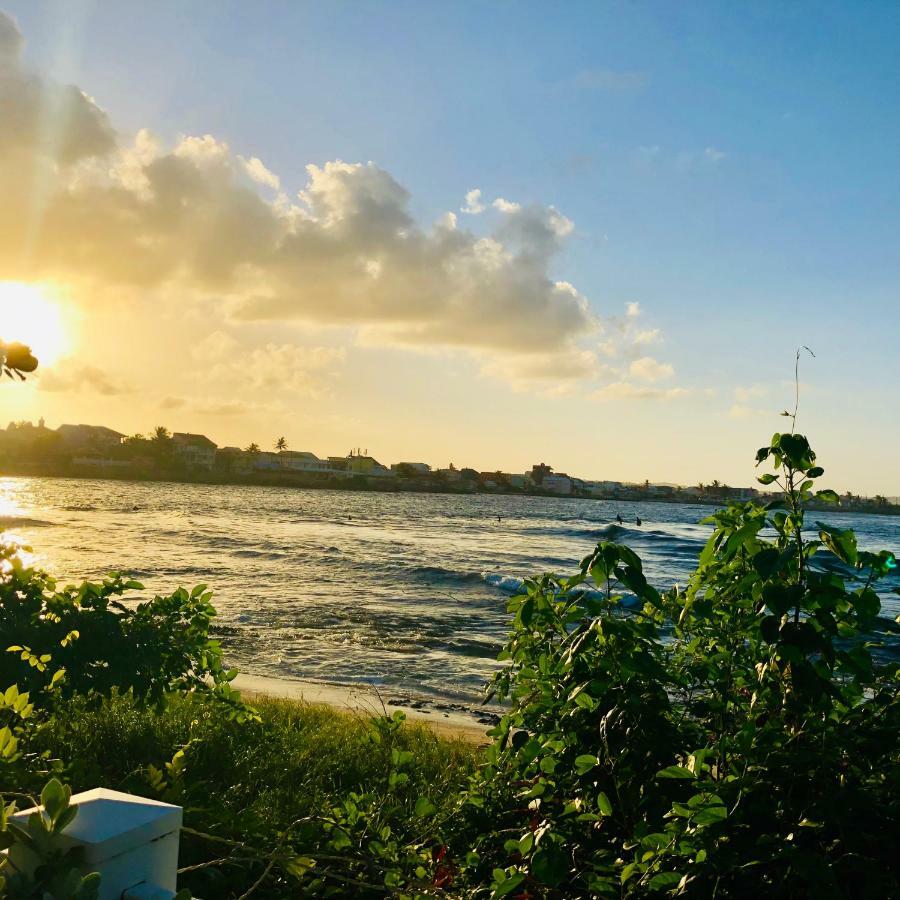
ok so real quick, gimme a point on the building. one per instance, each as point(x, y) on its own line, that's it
point(450, 474)
point(557, 483)
point(233, 459)
point(411, 468)
point(367, 465)
point(195, 450)
point(303, 461)
point(604, 488)
point(89, 437)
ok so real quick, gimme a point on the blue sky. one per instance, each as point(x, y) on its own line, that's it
point(731, 168)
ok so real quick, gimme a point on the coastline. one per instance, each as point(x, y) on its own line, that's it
point(446, 719)
point(381, 486)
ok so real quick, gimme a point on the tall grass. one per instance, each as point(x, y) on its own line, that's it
point(249, 783)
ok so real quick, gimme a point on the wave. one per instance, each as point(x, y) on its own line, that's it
point(430, 574)
point(77, 508)
point(23, 522)
point(509, 584)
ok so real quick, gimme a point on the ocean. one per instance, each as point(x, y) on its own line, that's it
point(404, 591)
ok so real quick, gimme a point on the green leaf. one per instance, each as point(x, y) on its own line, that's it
point(603, 804)
point(585, 762)
point(424, 807)
point(675, 772)
point(664, 880)
point(768, 478)
point(550, 865)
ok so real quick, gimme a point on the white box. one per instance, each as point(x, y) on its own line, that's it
point(129, 840)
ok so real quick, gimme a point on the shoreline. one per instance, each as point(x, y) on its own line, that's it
point(446, 719)
point(373, 486)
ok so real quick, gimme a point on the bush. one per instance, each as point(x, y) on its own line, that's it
point(736, 738)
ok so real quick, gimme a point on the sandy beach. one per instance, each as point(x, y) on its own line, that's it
point(448, 720)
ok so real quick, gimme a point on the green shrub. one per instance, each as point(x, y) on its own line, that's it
point(736, 738)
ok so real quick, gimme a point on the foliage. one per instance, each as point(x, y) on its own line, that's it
point(309, 796)
point(39, 865)
point(94, 639)
point(16, 360)
point(734, 738)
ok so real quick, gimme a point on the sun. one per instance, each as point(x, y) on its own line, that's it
point(28, 315)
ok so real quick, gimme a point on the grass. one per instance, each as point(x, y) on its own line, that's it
point(252, 784)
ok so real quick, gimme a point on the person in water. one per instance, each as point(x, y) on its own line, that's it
point(637, 521)
point(618, 518)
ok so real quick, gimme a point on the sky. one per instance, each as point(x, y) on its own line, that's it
point(589, 234)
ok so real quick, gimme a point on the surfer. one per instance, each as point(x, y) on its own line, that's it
point(618, 518)
point(637, 521)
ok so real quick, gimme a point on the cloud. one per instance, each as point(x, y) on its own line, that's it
point(611, 80)
point(625, 390)
point(714, 155)
point(133, 217)
point(623, 337)
point(506, 206)
point(648, 369)
point(259, 173)
point(43, 124)
point(263, 370)
point(473, 205)
point(71, 378)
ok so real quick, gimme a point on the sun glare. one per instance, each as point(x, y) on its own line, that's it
point(28, 316)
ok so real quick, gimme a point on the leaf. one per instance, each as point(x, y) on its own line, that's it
point(768, 478)
point(604, 805)
point(585, 762)
point(675, 772)
point(424, 807)
point(664, 880)
point(710, 815)
point(550, 865)
point(841, 542)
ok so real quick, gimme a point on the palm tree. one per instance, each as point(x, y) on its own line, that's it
point(281, 444)
point(252, 449)
point(161, 442)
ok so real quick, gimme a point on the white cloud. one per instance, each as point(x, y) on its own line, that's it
point(506, 206)
point(473, 205)
point(714, 155)
point(255, 168)
point(648, 369)
point(137, 219)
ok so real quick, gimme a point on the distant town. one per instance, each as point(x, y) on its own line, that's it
point(96, 451)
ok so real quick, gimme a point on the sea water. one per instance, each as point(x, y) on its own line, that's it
point(405, 591)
